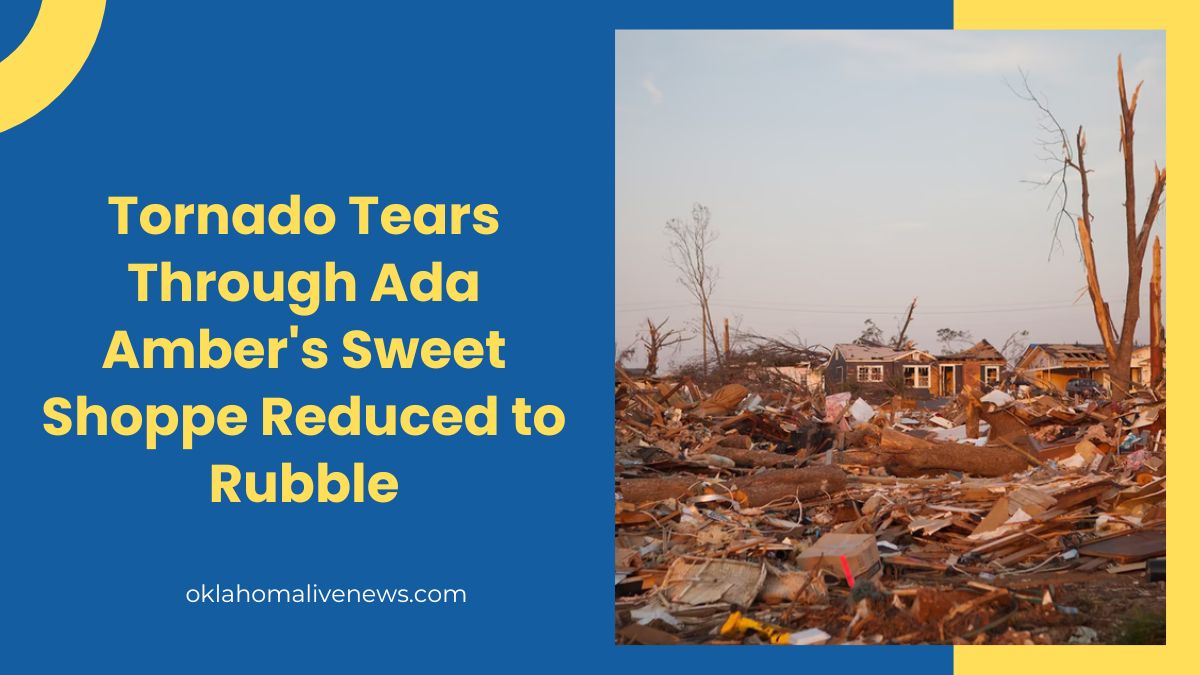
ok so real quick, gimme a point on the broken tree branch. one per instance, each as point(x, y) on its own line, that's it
point(1093, 281)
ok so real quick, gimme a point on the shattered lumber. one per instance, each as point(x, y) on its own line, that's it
point(715, 527)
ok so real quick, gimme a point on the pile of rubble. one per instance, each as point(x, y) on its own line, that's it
point(791, 517)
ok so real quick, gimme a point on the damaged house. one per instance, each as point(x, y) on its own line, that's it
point(875, 372)
point(1139, 368)
point(978, 367)
point(1054, 365)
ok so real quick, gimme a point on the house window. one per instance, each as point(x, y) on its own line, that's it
point(870, 373)
point(840, 374)
point(991, 375)
point(916, 377)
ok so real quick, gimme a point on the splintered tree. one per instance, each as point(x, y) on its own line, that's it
point(689, 243)
point(1156, 325)
point(900, 340)
point(1069, 156)
point(655, 340)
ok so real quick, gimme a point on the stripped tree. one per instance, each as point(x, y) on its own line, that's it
point(689, 243)
point(1069, 156)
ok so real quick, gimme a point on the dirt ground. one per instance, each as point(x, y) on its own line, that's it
point(1087, 608)
point(1121, 608)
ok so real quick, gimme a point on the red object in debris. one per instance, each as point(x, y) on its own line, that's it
point(847, 572)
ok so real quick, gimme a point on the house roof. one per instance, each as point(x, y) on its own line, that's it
point(1063, 356)
point(859, 353)
point(1073, 352)
point(980, 351)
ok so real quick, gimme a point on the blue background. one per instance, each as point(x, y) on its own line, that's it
point(236, 101)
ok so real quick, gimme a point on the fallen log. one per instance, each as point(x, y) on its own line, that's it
point(906, 455)
point(642, 490)
point(790, 484)
point(987, 462)
point(766, 487)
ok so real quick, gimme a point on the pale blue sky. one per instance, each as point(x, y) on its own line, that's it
point(850, 171)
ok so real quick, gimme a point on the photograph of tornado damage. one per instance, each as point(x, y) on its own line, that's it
point(890, 351)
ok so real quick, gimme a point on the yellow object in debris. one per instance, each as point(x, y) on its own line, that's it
point(737, 625)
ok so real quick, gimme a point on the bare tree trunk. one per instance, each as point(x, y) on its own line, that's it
point(708, 335)
point(1135, 239)
point(1104, 322)
point(1099, 306)
point(688, 249)
point(712, 335)
point(1119, 367)
point(652, 349)
point(1156, 342)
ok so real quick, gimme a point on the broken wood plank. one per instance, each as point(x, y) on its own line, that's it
point(1128, 548)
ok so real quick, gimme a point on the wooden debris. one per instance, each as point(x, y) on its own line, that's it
point(729, 502)
point(702, 582)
